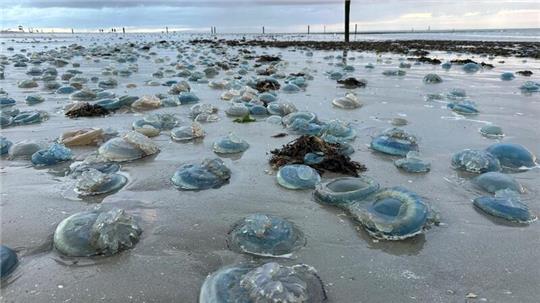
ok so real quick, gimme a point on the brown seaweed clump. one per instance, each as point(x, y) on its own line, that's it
point(268, 58)
point(85, 109)
point(334, 160)
point(352, 83)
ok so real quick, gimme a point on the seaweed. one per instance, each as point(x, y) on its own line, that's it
point(352, 83)
point(245, 119)
point(334, 161)
point(86, 110)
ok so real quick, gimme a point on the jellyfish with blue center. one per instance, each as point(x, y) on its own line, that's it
point(492, 131)
point(8, 261)
point(281, 108)
point(5, 144)
point(512, 156)
point(267, 97)
point(432, 79)
point(506, 204)
point(464, 107)
point(258, 110)
point(344, 191)
point(270, 282)
point(92, 182)
point(446, 65)
point(7, 101)
point(67, 89)
point(265, 235)
point(210, 173)
point(413, 163)
point(297, 176)
point(392, 214)
point(289, 119)
point(395, 141)
point(96, 232)
point(131, 146)
point(336, 131)
point(188, 98)
point(56, 153)
point(456, 94)
point(230, 144)
point(530, 87)
point(471, 67)
point(475, 161)
point(34, 99)
point(290, 88)
point(507, 76)
point(492, 182)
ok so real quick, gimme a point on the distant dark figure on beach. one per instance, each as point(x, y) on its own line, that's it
point(123, 30)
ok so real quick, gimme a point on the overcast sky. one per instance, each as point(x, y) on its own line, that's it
point(275, 15)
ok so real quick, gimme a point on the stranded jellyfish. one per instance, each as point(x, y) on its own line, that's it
point(345, 190)
point(211, 173)
point(495, 181)
point(506, 204)
point(512, 156)
point(492, 132)
point(395, 142)
point(94, 182)
point(432, 79)
point(475, 161)
point(131, 146)
point(412, 163)
point(8, 261)
point(392, 214)
point(464, 107)
point(297, 176)
point(350, 101)
point(187, 132)
point(96, 232)
point(270, 282)
point(55, 154)
point(231, 144)
point(265, 235)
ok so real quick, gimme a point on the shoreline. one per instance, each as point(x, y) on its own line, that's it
point(405, 47)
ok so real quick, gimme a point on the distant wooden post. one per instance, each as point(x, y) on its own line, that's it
point(72, 31)
point(347, 14)
point(166, 29)
point(355, 29)
point(263, 30)
point(308, 29)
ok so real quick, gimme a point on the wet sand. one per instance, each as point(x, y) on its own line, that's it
point(184, 233)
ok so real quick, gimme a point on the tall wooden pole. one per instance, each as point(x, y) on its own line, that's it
point(347, 13)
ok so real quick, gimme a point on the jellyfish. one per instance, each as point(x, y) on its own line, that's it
point(336, 131)
point(130, 146)
point(506, 204)
point(464, 107)
point(507, 76)
point(8, 261)
point(5, 144)
point(475, 161)
point(230, 144)
point(495, 181)
point(34, 99)
point(395, 141)
point(297, 176)
point(94, 182)
point(146, 103)
point(471, 67)
point(270, 282)
point(188, 132)
point(492, 131)
point(210, 173)
point(512, 156)
point(96, 232)
point(265, 235)
point(432, 78)
point(52, 155)
point(81, 137)
point(345, 190)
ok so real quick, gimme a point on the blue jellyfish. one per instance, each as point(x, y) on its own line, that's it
point(492, 131)
point(446, 65)
point(92, 182)
point(475, 161)
point(432, 78)
point(290, 88)
point(270, 282)
point(495, 181)
point(530, 86)
point(337, 131)
point(188, 98)
point(187, 132)
point(265, 235)
point(211, 173)
point(395, 142)
point(8, 261)
point(512, 156)
point(5, 144)
point(7, 101)
point(231, 144)
point(471, 67)
point(392, 214)
point(96, 232)
point(34, 99)
point(66, 89)
point(507, 205)
point(131, 146)
point(464, 107)
point(237, 110)
point(507, 76)
point(412, 163)
point(297, 176)
point(55, 154)
point(345, 190)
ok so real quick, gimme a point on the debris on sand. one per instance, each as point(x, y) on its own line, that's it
point(434, 61)
point(526, 73)
point(85, 109)
point(268, 58)
point(280, 135)
point(245, 119)
point(332, 159)
point(265, 85)
point(351, 83)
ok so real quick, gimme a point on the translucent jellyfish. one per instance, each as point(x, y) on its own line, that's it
point(258, 110)
point(188, 132)
point(78, 168)
point(530, 87)
point(290, 88)
point(84, 95)
point(297, 176)
point(96, 232)
point(5, 144)
point(456, 94)
point(413, 163)
point(495, 181)
point(29, 83)
point(204, 113)
point(152, 124)
point(446, 65)
point(81, 137)
point(179, 87)
point(219, 84)
point(34, 99)
point(237, 110)
point(492, 131)
point(107, 84)
point(506, 204)
point(268, 283)
point(265, 235)
point(369, 66)
point(188, 98)
point(350, 101)
point(394, 141)
point(432, 78)
point(146, 103)
point(23, 149)
point(309, 117)
point(392, 214)
point(8, 261)
point(131, 146)
point(335, 75)
point(336, 131)
point(211, 173)
point(267, 97)
point(29, 117)
point(55, 154)
point(345, 190)
point(471, 67)
point(512, 156)
point(404, 65)
point(394, 72)
point(507, 76)
point(66, 90)
point(475, 161)
point(93, 182)
point(230, 144)
point(281, 108)
point(7, 101)
point(464, 107)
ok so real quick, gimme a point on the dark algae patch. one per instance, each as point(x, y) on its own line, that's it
point(334, 161)
point(86, 110)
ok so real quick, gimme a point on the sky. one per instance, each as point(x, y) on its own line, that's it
point(244, 16)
